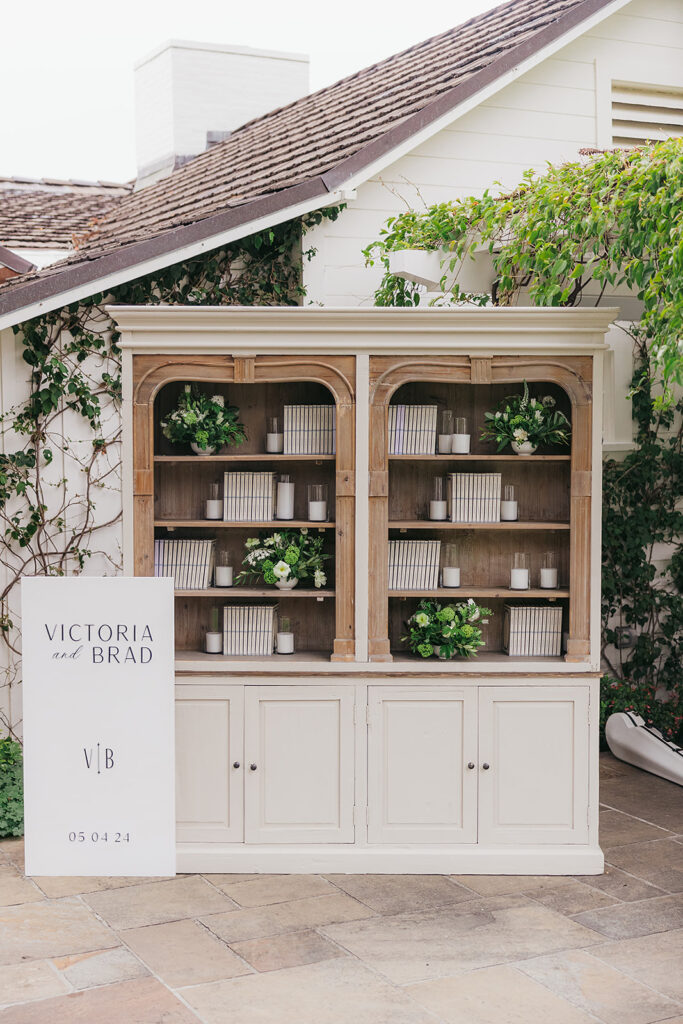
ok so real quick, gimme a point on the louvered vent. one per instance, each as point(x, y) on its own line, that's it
point(643, 113)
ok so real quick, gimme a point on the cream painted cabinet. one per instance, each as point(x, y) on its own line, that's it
point(299, 764)
point(209, 770)
point(420, 743)
point(534, 757)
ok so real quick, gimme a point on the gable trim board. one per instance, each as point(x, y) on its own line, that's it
point(25, 300)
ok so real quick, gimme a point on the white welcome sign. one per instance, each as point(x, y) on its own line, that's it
point(98, 726)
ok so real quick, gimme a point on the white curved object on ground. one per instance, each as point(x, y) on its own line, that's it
point(631, 740)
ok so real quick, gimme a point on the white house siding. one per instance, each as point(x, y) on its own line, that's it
point(547, 115)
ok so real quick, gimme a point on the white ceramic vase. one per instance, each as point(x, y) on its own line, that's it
point(201, 451)
point(287, 584)
point(523, 447)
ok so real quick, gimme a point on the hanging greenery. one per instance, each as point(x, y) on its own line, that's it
point(60, 474)
point(561, 236)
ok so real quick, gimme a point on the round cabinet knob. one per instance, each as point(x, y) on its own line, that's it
point(236, 764)
point(470, 765)
point(253, 767)
point(486, 766)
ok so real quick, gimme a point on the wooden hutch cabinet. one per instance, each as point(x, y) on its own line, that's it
point(352, 754)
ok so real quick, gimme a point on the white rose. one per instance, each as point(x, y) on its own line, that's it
point(319, 578)
point(519, 434)
point(218, 399)
point(188, 389)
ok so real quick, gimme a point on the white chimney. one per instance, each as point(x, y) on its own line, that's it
point(188, 95)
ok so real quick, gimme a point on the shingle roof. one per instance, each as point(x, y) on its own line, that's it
point(45, 214)
point(316, 143)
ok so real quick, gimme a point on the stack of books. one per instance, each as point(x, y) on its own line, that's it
point(248, 497)
point(532, 631)
point(249, 629)
point(309, 430)
point(474, 497)
point(412, 429)
point(414, 564)
point(189, 562)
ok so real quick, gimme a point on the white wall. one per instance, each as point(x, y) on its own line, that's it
point(546, 115)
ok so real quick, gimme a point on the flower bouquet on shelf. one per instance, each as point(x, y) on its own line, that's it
point(445, 630)
point(525, 422)
point(283, 558)
point(203, 421)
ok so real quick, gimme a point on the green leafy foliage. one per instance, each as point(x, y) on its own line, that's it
point(283, 556)
point(622, 695)
point(522, 418)
point(11, 788)
point(204, 420)
point(447, 630)
point(616, 219)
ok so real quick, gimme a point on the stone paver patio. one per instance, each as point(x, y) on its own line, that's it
point(359, 949)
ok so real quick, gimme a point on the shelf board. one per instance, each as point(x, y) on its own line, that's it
point(254, 592)
point(450, 592)
point(479, 458)
point(442, 524)
point(210, 524)
point(244, 457)
point(201, 657)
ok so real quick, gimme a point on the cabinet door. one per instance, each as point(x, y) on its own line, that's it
point(299, 764)
point(420, 742)
point(209, 789)
point(535, 742)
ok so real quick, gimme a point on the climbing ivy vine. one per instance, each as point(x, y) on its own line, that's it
point(60, 473)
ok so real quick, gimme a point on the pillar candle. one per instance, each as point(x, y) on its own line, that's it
point(274, 442)
point(285, 501)
point(450, 576)
point(285, 643)
point(438, 509)
point(549, 579)
point(214, 643)
point(222, 576)
point(519, 579)
point(460, 444)
point(317, 511)
point(445, 444)
point(508, 511)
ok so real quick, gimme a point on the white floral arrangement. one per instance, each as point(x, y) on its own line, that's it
point(284, 556)
point(520, 418)
point(203, 420)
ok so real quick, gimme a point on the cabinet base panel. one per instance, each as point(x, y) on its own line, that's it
point(428, 860)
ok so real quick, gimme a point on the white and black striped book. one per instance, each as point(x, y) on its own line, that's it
point(248, 497)
point(248, 629)
point(412, 429)
point(414, 564)
point(309, 429)
point(474, 497)
point(532, 631)
point(189, 561)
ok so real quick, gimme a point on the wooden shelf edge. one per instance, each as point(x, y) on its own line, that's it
point(454, 592)
point(442, 524)
point(210, 524)
point(246, 457)
point(436, 457)
point(253, 592)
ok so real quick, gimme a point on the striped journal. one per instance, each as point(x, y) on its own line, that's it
point(249, 629)
point(414, 564)
point(474, 497)
point(412, 429)
point(532, 631)
point(309, 429)
point(248, 497)
point(189, 562)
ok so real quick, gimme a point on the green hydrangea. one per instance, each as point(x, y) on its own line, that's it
point(269, 576)
point(267, 566)
point(467, 632)
point(426, 650)
point(446, 614)
point(292, 555)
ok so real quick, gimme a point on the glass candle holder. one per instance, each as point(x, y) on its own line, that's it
point(461, 438)
point(445, 437)
point(214, 503)
point(274, 435)
point(450, 565)
point(284, 639)
point(222, 574)
point(519, 574)
point(317, 503)
point(549, 571)
point(438, 506)
point(285, 497)
point(508, 504)
point(213, 639)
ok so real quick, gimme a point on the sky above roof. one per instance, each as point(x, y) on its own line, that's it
point(55, 127)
